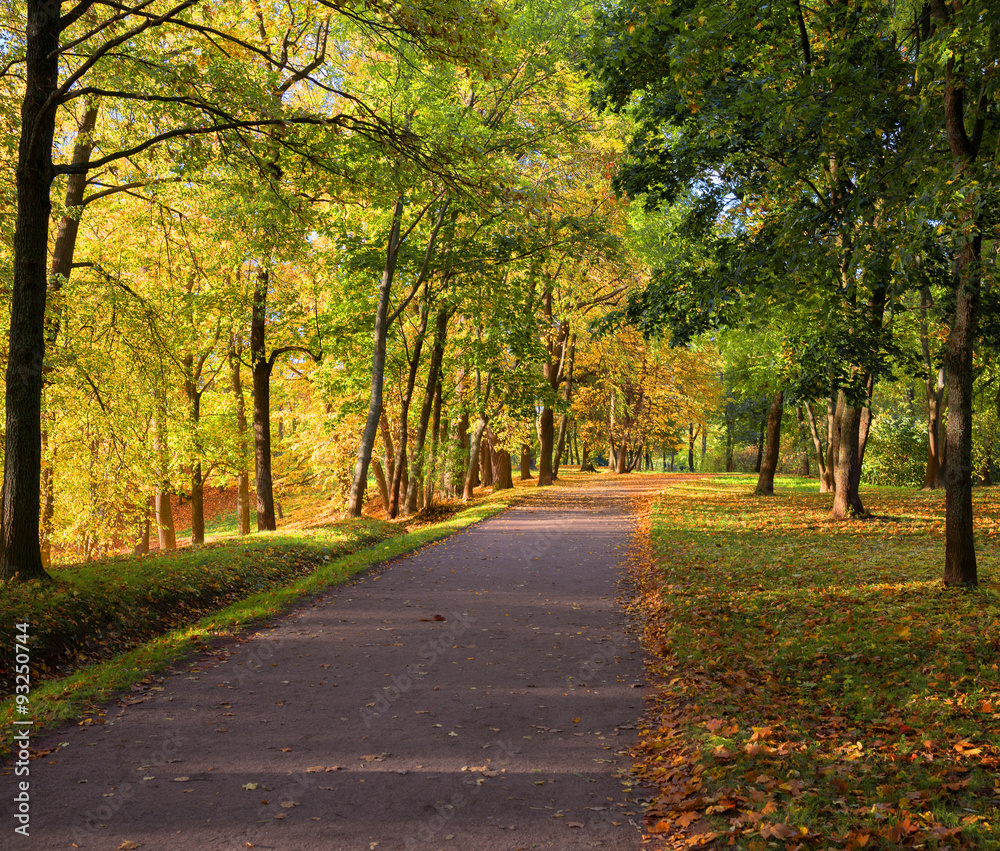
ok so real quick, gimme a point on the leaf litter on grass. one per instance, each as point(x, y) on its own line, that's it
point(816, 684)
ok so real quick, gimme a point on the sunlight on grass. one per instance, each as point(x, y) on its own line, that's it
point(819, 686)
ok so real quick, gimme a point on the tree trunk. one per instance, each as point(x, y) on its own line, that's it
point(960, 552)
point(436, 440)
point(473, 468)
point(935, 403)
point(800, 421)
point(832, 445)
point(824, 485)
point(692, 436)
point(846, 500)
point(585, 465)
point(379, 337)
point(261, 367)
point(197, 505)
point(20, 554)
point(63, 251)
point(769, 463)
point(486, 465)
point(503, 478)
point(404, 416)
point(161, 505)
point(166, 536)
point(433, 378)
point(383, 486)
point(545, 445)
point(242, 473)
point(525, 462)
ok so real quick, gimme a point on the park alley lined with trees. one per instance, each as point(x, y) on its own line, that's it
point(365, 263)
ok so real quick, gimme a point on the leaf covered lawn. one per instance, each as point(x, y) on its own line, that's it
point(817, 685)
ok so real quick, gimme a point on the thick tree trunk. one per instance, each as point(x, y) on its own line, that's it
point(197, 505)
point(242, 473)
point(846, 500)
point(585, 465)
point(262, 366)
point(545, 444)
point(769, 464)
point(960, 552)
point(525, 462)
point(485, 465)
point(379, 337)
point(621, 460)
point(20, 555)
point(433, 378)
point(503, 478)
point(163, 511)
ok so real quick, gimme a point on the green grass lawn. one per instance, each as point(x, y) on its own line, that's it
point(818, 686)
point(99, 628)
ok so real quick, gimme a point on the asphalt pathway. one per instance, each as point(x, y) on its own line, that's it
point(480, 694)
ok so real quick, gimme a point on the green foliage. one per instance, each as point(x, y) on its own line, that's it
point(896, 454)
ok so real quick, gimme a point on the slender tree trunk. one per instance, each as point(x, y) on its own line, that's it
point(800, 421)
point(242, 473)
point(692, 436)
point(262, 366)
point(20, 554)
point(473, 468)
point(769, 463)
point(847, 501)
point(380, 334)
point(436, 440)
point(404, 415)
point(820, 453)
point(383, 486)
point(433, 379)
point(162, 509)
point(62, 265)
point(832, 444)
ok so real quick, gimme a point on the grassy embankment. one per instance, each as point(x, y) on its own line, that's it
point(819, 687)
point(101, 628)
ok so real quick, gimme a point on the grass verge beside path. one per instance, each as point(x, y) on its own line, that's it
point(93, 611)
point(817, 685)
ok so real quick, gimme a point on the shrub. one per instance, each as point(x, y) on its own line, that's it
point(896, 453)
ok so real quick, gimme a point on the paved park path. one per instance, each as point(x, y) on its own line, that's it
point(477, 695)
